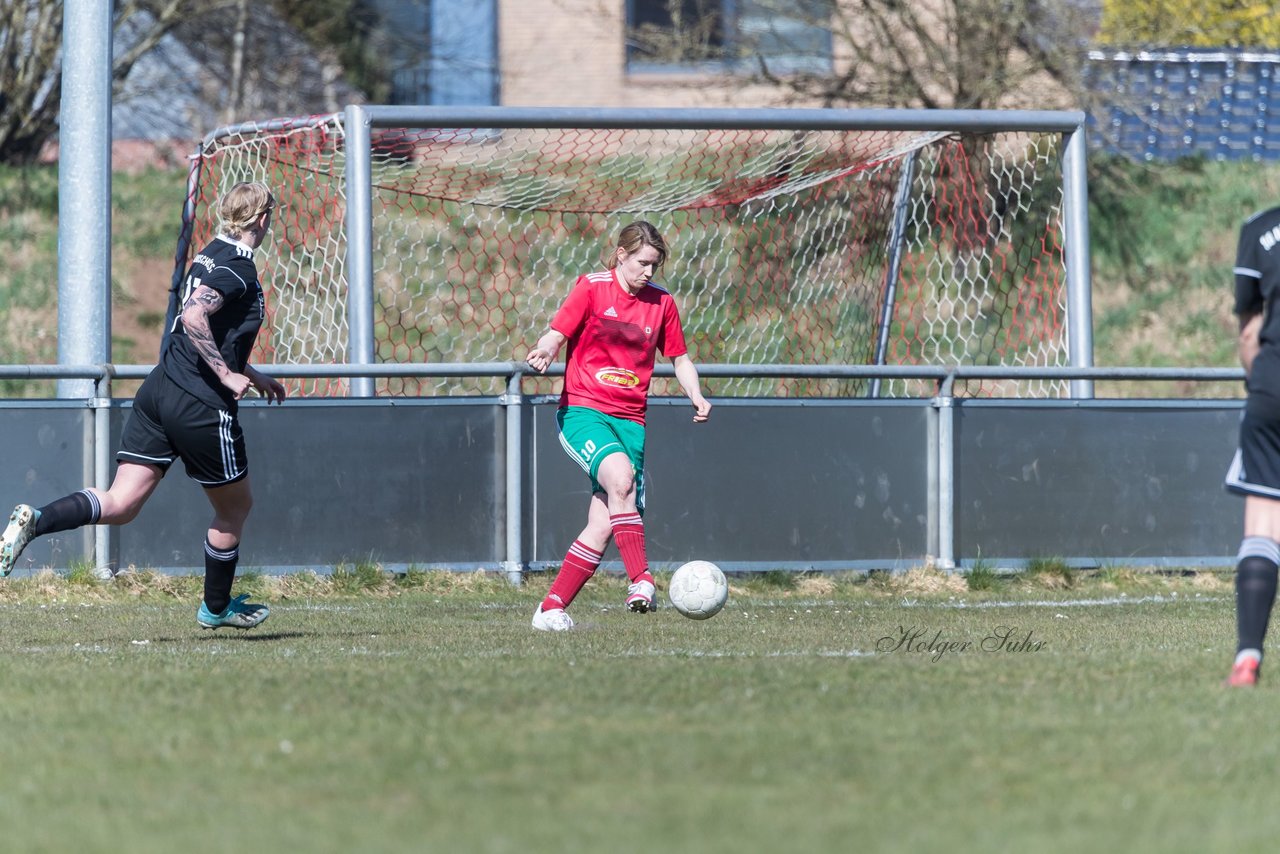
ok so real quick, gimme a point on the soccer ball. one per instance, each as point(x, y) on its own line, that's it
point(698, 589)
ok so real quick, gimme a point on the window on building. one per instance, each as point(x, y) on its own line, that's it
point(787, 36)
point(442, 52)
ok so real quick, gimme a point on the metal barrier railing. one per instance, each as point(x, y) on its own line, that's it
point(943, 404)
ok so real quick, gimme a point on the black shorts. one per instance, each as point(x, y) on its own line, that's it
point(168, 423)
point(1256, 467)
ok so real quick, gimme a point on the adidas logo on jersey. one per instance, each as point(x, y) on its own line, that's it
point(609, 312)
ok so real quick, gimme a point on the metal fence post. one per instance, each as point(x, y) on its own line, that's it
point(84, 192)
point(1075, 216)
point(359, 179)
point(944, 402)
point(103, 559)
point(513, 401)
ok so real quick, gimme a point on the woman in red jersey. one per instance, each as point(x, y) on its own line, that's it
point(615, 322)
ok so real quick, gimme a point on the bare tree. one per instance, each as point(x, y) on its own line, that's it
point(960, 54)
point(31, 61)
point(172, 59)
point(30, 43)
point(934, 54)
point(237, 60)
point(681, 32)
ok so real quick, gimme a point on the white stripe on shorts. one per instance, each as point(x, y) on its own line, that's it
point(146, 459)
point(1235, 480)
point(228, 445)
point(568, 449)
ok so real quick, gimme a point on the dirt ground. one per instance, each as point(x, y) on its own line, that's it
point(139, 298)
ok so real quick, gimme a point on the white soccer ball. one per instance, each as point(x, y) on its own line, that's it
point(698, 589)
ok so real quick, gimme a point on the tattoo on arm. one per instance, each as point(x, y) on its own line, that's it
point(195, 317)
point(205, 297)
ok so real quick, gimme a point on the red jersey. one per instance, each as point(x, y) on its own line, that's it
point(613, 339)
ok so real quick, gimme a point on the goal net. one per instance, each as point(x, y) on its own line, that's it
point(798, 247)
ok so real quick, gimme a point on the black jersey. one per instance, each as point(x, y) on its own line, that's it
point(227, 267)
point(1257, 271)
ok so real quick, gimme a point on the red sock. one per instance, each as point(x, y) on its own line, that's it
point(580, 564)
point(628, 533)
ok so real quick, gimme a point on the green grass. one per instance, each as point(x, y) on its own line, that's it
point(358, 578)
point(424, 714)
point(1049, 571)
point(146, 213)
point(982, 576)
point(1162, 242)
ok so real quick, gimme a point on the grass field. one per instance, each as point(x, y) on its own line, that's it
point(425, 715)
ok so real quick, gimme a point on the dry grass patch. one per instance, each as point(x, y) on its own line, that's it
point(45, 585)
point(1214, 582)
point(299, 585)
point(148, 582)
point(929, 580)
point(371, 581)
point(814, 586)
point(1051, 580)
point(1114, 579)
point(444, 582)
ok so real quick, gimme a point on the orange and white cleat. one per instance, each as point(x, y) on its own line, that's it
point(1244, 673)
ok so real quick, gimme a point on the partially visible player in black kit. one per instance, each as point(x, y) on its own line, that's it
point(186, 409)
point(1255, 471)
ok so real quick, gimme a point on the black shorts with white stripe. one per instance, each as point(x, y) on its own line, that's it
point(168, 423)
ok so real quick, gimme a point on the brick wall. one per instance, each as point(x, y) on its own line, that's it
point(571, 53)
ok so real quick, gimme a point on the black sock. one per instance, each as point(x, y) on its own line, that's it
point(219, 574)
point(73, 511)
point(1255, 590)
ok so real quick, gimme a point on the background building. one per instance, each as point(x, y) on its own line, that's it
point(595, 53)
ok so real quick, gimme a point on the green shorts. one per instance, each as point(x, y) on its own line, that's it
point(589, 436)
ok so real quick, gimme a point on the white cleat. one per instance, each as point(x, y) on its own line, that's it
point(22, 522)
point(555, 620)
point(640, 597)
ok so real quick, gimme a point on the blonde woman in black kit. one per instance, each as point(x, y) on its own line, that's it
point(1255, 471)
point(187, 408)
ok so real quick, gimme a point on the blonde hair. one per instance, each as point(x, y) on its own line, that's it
point(634, 236)
point(240, 207)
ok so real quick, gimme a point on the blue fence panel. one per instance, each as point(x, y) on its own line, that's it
point(1162, 104)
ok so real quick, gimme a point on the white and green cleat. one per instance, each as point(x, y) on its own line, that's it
point(20, 530)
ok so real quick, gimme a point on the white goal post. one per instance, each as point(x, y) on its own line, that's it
point(802, 237)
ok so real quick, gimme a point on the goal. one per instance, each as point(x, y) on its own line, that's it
point(797, 237)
